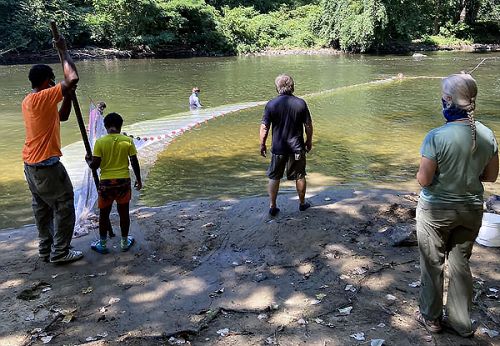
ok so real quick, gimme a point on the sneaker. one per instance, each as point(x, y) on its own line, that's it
point(71, 256)
point(99, 247)
point(127, 243)
point(44, 257)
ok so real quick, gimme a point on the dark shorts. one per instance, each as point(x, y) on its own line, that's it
point(111, 190)
point(295, 165)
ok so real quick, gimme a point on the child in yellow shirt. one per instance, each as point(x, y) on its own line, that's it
point(111, 154)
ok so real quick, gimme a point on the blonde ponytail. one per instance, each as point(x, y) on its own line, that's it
point(463, 91)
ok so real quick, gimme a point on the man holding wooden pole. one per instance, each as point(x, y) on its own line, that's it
point(49, 183)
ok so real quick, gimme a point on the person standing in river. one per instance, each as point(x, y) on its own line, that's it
point(48, 181)
point(455, 159)
point(194, 100)
point(288, 116)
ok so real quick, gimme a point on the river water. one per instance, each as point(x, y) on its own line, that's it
point(367, 128)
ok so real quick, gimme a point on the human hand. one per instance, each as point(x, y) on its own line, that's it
point(308, 146)
point(138, 185)
point(263, 150)
point(101, 106)
point(60, 44)
point(88, 159)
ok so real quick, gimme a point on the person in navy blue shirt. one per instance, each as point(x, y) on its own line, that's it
point(288, 116)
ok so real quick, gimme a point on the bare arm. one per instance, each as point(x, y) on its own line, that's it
point(264, 132)
point(65, 108)
point(137, 171)
point(490, 173)
point(94, 162)
point(309, 135)
point(70, 73)
point(426, 171)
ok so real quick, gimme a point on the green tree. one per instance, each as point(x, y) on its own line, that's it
point(354, 25)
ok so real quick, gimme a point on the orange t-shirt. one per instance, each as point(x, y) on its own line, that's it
point(41, 120)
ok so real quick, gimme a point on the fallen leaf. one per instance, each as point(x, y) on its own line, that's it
point(358, 336)
point(390, 297)
point(46, 339)
point(377, 342)
point(87, 290)
point(490, 332)
point(415, 284)
point(359, 271)
point(320, 296)
point(67, 318)
point(223, 332)
point(345, 311)
point(350, 288)
point(113, 300)
point(271, 340)
point(263, 317)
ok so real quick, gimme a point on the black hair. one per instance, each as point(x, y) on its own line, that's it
point(113, 120)
point(39, 74)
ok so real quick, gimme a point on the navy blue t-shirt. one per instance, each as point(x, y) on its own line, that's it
point(287, 114)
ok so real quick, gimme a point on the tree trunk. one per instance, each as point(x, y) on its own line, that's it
point(471, 11)
point(437, 17)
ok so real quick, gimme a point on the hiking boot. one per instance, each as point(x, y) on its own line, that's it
point(127, 243)
point(71, 256)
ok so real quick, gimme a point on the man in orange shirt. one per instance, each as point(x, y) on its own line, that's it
point(48, 181)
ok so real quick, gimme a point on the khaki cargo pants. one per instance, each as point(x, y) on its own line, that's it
point(53, 206)
point(447, 231)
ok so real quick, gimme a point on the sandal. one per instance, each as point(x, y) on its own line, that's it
point(430, 326)
point(274, 211)
point(305, 206)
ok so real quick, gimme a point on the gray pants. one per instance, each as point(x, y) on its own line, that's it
point(447, 231)
point(53, 206)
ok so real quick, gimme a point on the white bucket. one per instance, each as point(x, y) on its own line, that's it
point(489, 233)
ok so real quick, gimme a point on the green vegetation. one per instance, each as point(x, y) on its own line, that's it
point(241, 26)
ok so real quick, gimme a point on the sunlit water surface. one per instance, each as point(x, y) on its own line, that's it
point(366, 135)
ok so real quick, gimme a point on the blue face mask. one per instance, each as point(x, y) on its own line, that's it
point(452, 113)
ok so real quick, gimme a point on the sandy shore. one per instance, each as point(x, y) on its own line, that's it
point(224, 273)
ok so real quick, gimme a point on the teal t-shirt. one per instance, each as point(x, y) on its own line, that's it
point(458, 168)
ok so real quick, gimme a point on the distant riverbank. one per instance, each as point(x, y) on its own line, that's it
point(96, 53)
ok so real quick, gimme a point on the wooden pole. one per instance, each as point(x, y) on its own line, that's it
point(76, 106)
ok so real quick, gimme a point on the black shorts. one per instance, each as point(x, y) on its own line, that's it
point(295, 165)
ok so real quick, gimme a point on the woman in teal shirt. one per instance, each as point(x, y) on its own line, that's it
point(455, 159)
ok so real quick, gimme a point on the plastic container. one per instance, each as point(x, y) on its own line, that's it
point(489, 233)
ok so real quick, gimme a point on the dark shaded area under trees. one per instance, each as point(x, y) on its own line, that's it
point(226, 27)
